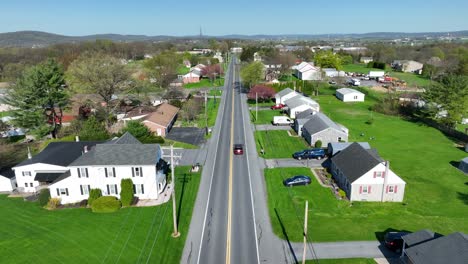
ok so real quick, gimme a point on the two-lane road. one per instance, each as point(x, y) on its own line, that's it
point(228, 232)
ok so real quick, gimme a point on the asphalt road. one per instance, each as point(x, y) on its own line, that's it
point(228, 229)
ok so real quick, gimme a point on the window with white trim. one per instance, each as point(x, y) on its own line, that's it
point(26, 173)
point(379, 174)
point(63, 191)
point(84, 189)
point(138, 189)
point(112, 188)
point(30, 184)
point(391, 189)
point(137, 172)
point(110, 172)
point(83, 172)
point(364, 189)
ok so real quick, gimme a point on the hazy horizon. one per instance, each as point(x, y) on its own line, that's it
point(273, 17)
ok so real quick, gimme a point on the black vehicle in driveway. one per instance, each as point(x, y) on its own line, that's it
point(393, 240)
point(297, 180)
point(315, 153)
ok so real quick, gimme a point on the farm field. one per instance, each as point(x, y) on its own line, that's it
point(131, 235)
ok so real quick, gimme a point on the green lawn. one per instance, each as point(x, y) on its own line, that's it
point(436, 195)
point(264, 116)
point(278, 144)
point(343, 261)
point(217, 92)
point(360, 68)
point(205, 83)
point(131, 235)
point(268, 103)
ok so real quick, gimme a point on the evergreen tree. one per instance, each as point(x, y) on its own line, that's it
point(40, 97)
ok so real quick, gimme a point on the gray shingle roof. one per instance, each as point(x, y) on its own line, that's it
point(7, 172)
point(320, 122)
point(120, 154)
point(347, 91)
point(59, 153)
point(335, 147)
point(305, 114)
point(418, 237)
point(299, 100)
point(451, 249)
point(63, 176)
point(354, 161)
point(284, 92)
point(126, 138)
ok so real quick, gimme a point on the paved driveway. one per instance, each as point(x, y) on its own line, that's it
point(190, 135)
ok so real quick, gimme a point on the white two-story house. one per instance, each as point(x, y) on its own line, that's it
point(106, 164)
point(37, 172)
point(364, 176)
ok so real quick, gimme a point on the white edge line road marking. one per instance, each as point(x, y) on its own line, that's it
point(250, 184)
point(209, 190)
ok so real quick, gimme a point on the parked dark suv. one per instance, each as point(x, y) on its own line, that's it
point(315, 153)
point(393, 240)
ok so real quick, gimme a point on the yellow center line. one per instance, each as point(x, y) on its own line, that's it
point(228, 242)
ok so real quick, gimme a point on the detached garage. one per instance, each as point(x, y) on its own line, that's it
point(464, 165)
point(349, 95)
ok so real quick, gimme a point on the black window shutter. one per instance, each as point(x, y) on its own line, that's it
point(89, 189)
point(66, 190)
point(142, 189)
point(105, 170)
point(141, 171)
point(79, 173)
point(58, 192)
point(116, 190)
point(133, 172)
point(108, 192)
point(113, 171)
point(81, 189)
point(87, 176)
point(134, 189)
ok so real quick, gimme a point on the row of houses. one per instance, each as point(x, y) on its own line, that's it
point(356, 168)
point(71, 169)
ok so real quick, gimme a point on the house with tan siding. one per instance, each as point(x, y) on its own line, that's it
point(161, 121)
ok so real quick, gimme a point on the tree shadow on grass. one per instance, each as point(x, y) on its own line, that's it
point(463, 197)
point(182, 180)
point(283, 229)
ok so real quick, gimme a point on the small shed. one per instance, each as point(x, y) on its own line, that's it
point(349, 95)
point(463, 166)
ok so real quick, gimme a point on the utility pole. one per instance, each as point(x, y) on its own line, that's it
point(305, 232)
point(176, 232)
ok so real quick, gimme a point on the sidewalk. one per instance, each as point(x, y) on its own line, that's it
point(163, 198)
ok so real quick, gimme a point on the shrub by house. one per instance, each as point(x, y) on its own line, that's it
point(106, 204)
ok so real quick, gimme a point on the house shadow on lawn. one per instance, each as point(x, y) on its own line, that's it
point(285, 233)
point(463, 196)
point(455, 163)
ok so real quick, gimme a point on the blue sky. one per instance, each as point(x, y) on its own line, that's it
point(181, 17)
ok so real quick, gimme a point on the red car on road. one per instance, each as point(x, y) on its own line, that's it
point(238, 149)
point(278, 106)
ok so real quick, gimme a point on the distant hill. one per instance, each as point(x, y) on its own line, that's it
point(38, 38)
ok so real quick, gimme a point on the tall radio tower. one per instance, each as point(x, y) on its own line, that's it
point(201, 33)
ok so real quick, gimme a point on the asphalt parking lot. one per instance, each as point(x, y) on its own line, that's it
point(190, 135)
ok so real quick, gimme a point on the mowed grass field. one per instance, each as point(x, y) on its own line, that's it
point(264, 117)
point(31, 234)
point(278, 144)
point(436, 194)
